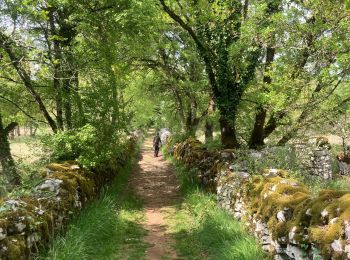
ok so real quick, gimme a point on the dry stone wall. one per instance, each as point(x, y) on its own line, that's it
point(281, 212)
point(29, 222)
point(321, 163)
point(314, 160)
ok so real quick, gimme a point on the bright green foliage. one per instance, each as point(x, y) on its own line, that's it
point(265, 71)
point(306, 84)
point(86, 145)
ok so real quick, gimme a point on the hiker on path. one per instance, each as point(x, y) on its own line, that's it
point(156, 144)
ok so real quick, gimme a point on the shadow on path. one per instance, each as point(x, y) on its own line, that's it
point(154, 182)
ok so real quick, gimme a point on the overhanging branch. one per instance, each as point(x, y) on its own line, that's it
point(10, 127)
point(22, 110)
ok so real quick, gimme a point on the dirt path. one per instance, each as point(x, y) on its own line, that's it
point(155, 183)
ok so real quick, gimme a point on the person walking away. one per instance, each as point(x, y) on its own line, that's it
point(156, 144)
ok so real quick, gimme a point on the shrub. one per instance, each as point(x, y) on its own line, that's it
point(88, 145)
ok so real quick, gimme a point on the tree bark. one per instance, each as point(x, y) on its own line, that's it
point(58, 101)
point(273, 123)
point(209, 129)
point(191, 128)
point(228, 133)
point(115, 100)
point(209, 125)
point(7, 163)
point(57, 82)
point(77, 100)
point(18, 129)
point(257, 137)
point(68, 104)
point(12, 134)
point(245, 9)
point(191, 124)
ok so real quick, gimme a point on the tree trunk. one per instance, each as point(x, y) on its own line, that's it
point(18, 130)
point(228, 134)
point(68, 104)
point(57, 61)
point(209, 125)
point(77, 100)
point(257, 136)
point(12, 134)
point(191, 126)
point(191, 120)
point(114, 93)
point(289, 135)
point(209, 128)
point(273, 123)
point(7, 162)
point(58, 100)
point(245, 9)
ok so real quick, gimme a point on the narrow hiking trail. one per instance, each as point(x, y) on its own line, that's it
point(154, 182)
point(143, 215)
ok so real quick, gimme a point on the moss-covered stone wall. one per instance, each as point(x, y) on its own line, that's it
point(280, 211)
point(29, 222)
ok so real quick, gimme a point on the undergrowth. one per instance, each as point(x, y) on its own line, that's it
point(202, 230)
point(284, 158)
point(109, 228)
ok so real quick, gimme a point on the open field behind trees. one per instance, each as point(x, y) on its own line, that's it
point(27, 149)
point(265, 83)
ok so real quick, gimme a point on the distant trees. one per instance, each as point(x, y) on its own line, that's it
point(181, 82)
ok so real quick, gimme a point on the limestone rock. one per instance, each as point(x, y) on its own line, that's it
point(281, 217)
point(295, 252)
point(20, 227)
point(347, 251)
point(2, 234)
point(51, 185)
point(347, 230)
point(336, 246)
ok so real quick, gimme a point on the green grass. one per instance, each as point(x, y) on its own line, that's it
point(204, 231)
point(26, 139)
point(109, 228)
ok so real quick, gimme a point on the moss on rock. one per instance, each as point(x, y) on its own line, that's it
point(294, 218)
point(28, 223)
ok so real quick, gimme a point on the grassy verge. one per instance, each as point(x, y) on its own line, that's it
point(109, 228)
point(204, 231)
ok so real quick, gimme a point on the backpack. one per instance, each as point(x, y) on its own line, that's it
point(156, 141)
